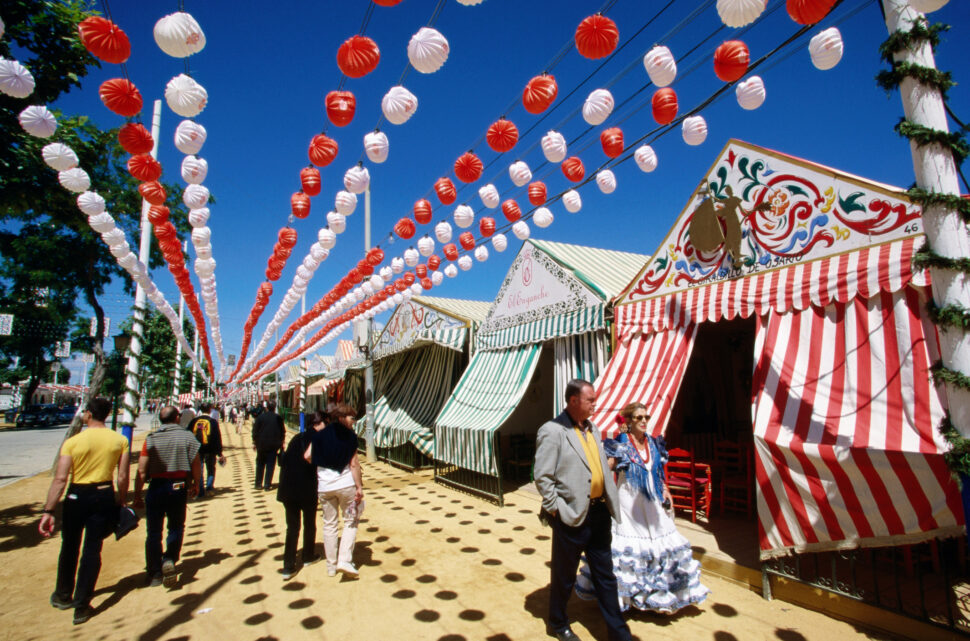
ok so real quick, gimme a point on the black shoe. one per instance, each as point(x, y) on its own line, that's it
point(61, 602)
point(82, 613)
point(155, 581)
point(267, 488)
point(566, 634)
point(287, 573)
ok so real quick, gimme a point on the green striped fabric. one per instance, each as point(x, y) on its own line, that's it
point(488, 392)
point(384, 373)
point(583, 356)
point(584, 320)
point(451, 337)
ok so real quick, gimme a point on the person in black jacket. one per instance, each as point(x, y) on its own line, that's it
point(297, 491)
point(207, 432)
point(268, 437)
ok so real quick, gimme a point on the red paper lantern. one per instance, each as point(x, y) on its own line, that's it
point(467, 240)
point(451, 251)
point(421, 270)
point(808, 11)
point(135, 139)
point(265, 290)
point(300, 204)
point(341, 106)
point(287, 237)
point(157, 214)
point(387, 3)
point(511, 210)
point(486, 226)
point(271, 274)
point(596, 37)
point(375, 255)
point(468, 167)
point(404, 228)
point(434, 262)
point(422, 211)
point(310, 181)
point(573, 168)
point(539, 93)
point(144, 168)
point(731, 60)
point(537, 193)
point(426, 283)
point(121, 96)
point(276, 262)
point(364, 267)
point(358, 56)
point(322, 150)
point(612, 141)
point(408, 278)
point(153, 192)
point(389, 290)
point(664, 105)
point(165, 231)
point(104, 40)
point(355, 276)
point(445, 190)
point(502, 135)
point(400, 285)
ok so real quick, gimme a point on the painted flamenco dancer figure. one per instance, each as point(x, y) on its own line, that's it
point(654, 567)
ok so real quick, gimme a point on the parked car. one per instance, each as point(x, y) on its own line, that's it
point(33, 416)
point(66, 414)
point(10, 415)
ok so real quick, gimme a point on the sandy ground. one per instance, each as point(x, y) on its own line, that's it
point(435, 564)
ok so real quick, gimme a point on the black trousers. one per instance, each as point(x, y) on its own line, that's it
point(265, 466)
point(592, 537)
point(164, 501)
point(89, 511)
point(294, 512)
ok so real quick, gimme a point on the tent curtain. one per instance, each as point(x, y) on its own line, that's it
point(582, 356)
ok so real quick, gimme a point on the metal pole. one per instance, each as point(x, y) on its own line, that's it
point(138, 326)
point(369, 362)
point(196, 348)
point(277, 375)
point(178, 343)
point(303, 371)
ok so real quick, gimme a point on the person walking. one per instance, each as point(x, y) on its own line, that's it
point(268, 437)
point(297, 491)
point(91, 459)
point(207, 432)
point(578, 498)
point(188, 413)
point(170, 463)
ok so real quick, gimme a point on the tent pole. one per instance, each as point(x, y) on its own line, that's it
point(369, 367)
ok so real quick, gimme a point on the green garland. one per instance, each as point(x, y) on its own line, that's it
point(944, 375)
point(950, 201)
point(953, 315)
point(958, 456)
point(940, 80)
point(923, 136)
point(926, 258)
point(920, 31)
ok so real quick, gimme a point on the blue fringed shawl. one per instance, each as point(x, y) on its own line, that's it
point(649, 481)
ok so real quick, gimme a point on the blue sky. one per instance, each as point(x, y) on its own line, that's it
point(267, 68)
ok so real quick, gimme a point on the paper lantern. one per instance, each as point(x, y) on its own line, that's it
point(442, 231)
point(808, 11)
point(90, 203)
point(542, 217)
point(750, 93)
point(387, 3)
point(451, 252)
point(340, 106)
point(596, 37)
point(502, 135)
point(194, 170)
point(179, 35)
point(539, 93)
point(520, 173)
point(450, 271)
point(158, 215)
point(572, 201)
point(76, 180)
point(120, 96)
point(445, 190)
point(322, 150)
point(499, 242)
point(425, 246)
point(422, 211)
point(300, 204)
point(102, 222)
point(464, 216)
point(287, 237)
point(195, 196)
point(397, 265)
point(645, 158)
point(405, 228)
point(521, 230)
point(185, 96)
point(59, 156)
point(337, 222)
point(375, 256)
point(612, 141)
point(664, 105)
point(511, 210)
point(537, 193)
point(135, 139)
point(481, 253)
point(467, 240)
point(345, 202)
point(358, 56)
point(310, 181)
point(468, 167)
point(427, 50)
point(201, 236)
point(356, 179)
point(15, 79)
point(104, 39)
point(411, 257)
point(598, 106)
point(738, 13)
point(399, 105)
point(426, 283)
point(144, 168)
point(928, 6)
point(660, 66)
point(486, 226)
point(554, 146)
point(199, 217)
point(376, 146)
point(434, 262)
point(826, 48)
point(489, 195)
point(731, 60)
point(573, 169)
point(153, 192)
point(694, 129)
point(189, 137)
point(465, 263)
point(606, 181)
point(436, 278)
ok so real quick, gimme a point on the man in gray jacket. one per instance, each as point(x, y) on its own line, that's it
point(578, 496)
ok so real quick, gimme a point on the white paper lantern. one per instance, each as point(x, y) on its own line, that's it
point(450, 270)
point(38, 121)
point(437, 277)
point(464, 216)
point(397, 264)
point(113, 237)
point(426, 245)
point(660, 66)
point(465, 263)
point(189, 137)
point(399, 105)
point(376, 282)
point(195, 196)
point(203, 251)
point(205, 267)
point(345, 202)
point(59, 156)
point(694, 129)
point(120, 249)
point(411, 257)
point(201, 236)
point(489, 195)
point(442, 231)
point(470, 3)
point(199, 217)
point(386, 273)
point(416, 288)
point(128, 261)
point(606, 181)
point(376, 146)
point(15, 79)
point(521, 230)
point(737, 13)
point(397, 298)
point(927, 6)
point(367, 289)
point(645, 158)
point(91, 203)
point(481, 253)
point(542, 217)
point(185, 96)
point(310, 261)
point(407, 293)
point(499, 242)
point(572, 201)
point(179, 35)
point(554, 146)
point(75, 180)
point(826, 48)
point(427, 50)
point(337, 222)
point(356, 179)
point(598, 107)
point(102, 222)
point(520, 173)
point(750, 93)
point(319, 253)
point(194, 170)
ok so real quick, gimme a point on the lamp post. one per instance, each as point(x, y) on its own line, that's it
point(122, 343)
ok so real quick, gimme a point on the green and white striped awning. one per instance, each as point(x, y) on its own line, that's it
point(488, 392)
point(580, 321)
point(450, 337)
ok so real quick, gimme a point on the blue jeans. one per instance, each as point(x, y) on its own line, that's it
point(164, 500)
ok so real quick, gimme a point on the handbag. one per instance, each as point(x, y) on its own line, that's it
point(127, 521)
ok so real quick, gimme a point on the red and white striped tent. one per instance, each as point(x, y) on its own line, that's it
point(843, 409)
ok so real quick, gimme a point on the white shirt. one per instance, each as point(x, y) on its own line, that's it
point(329, 480)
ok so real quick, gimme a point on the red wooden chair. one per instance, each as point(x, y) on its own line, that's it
point(689, 483)
point(734, 466)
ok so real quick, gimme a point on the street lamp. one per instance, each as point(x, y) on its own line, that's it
point(122, 342)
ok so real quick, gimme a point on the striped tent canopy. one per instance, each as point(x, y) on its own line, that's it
point(427, 320)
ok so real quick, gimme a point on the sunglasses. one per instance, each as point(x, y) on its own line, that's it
point(639, 418)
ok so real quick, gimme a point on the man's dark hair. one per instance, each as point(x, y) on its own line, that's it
point(168, 414)
point(575, 387)
point(340, 410)
point(271, 406)
point(206, 407)
point(99, 407)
